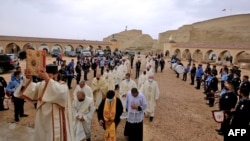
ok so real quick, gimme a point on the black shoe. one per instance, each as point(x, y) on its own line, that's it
point(24, 115)
point(16, 119)
point(210, 105)
point(151, 119)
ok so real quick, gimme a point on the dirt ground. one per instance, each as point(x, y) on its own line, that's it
point(181, 114)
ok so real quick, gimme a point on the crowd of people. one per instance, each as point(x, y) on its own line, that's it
point(66, 116)
point(226, 88)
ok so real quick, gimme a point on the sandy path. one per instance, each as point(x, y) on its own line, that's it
point(181, 115)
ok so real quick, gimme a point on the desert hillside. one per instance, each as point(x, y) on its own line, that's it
point(133, 40)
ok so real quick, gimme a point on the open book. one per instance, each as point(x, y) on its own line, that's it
point(35, 61)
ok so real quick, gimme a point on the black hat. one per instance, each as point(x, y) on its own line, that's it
point(51, 68)
point(110, 94)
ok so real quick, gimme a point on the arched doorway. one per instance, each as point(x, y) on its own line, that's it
point(68, 48)
point(225, 56)
point(177, 52)
point(12, 48)
point(186, 54)
point(99, 47)
point(1, 49)
point(242, 57)
point(91, 49)
point(79, 48)
point(44, 47)
point(210, 55)
point(56, 47)
point(167, 53)
point(197, 55)
point(28, 46)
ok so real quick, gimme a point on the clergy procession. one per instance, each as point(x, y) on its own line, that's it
point(227, 90)
point(112, 94)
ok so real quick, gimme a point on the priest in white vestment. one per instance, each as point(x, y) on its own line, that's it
point(116, 78)
point(150, 70)
point(122, 70)
point(142, 78)
point(128, 65)
point(126, 85)
point(83, 109)
point(151, 91)
point(149, 62)
point(53, 121)
point(84, 87)
point(108, 76)
point(100, 88)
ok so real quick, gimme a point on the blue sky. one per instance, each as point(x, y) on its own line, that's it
point(96, 19)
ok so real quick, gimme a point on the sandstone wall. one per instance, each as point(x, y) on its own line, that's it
point(232, 29)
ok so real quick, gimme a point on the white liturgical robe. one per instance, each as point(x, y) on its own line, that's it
point(126, 86)
point(53, 121)
point(141, 80)
point(152, 93)
point(83, 109)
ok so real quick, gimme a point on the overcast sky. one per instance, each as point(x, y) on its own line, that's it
point(96, 19)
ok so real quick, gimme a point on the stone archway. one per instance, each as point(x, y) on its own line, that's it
point(91, 49)
point(224, 56)
point(44, 47)
point(79, 48)
point(99, 47)
point(242, 57)
point(167, 53)
point(186, 54)
point(68, 48)
point(210, 55)
point(177, 52)
point(28, 46)
point(198, 55)
point(57, 46)
point(1, 49)
point(12, 48)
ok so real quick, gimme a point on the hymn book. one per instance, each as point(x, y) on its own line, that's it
point(35, 61)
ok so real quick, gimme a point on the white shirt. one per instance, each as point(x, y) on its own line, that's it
point(135, 116)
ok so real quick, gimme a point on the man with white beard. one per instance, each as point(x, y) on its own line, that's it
point(100, 88)
point(83, 109)
point(126, 85)
point(151, 91)
point(142, 78)
point(85, 88)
